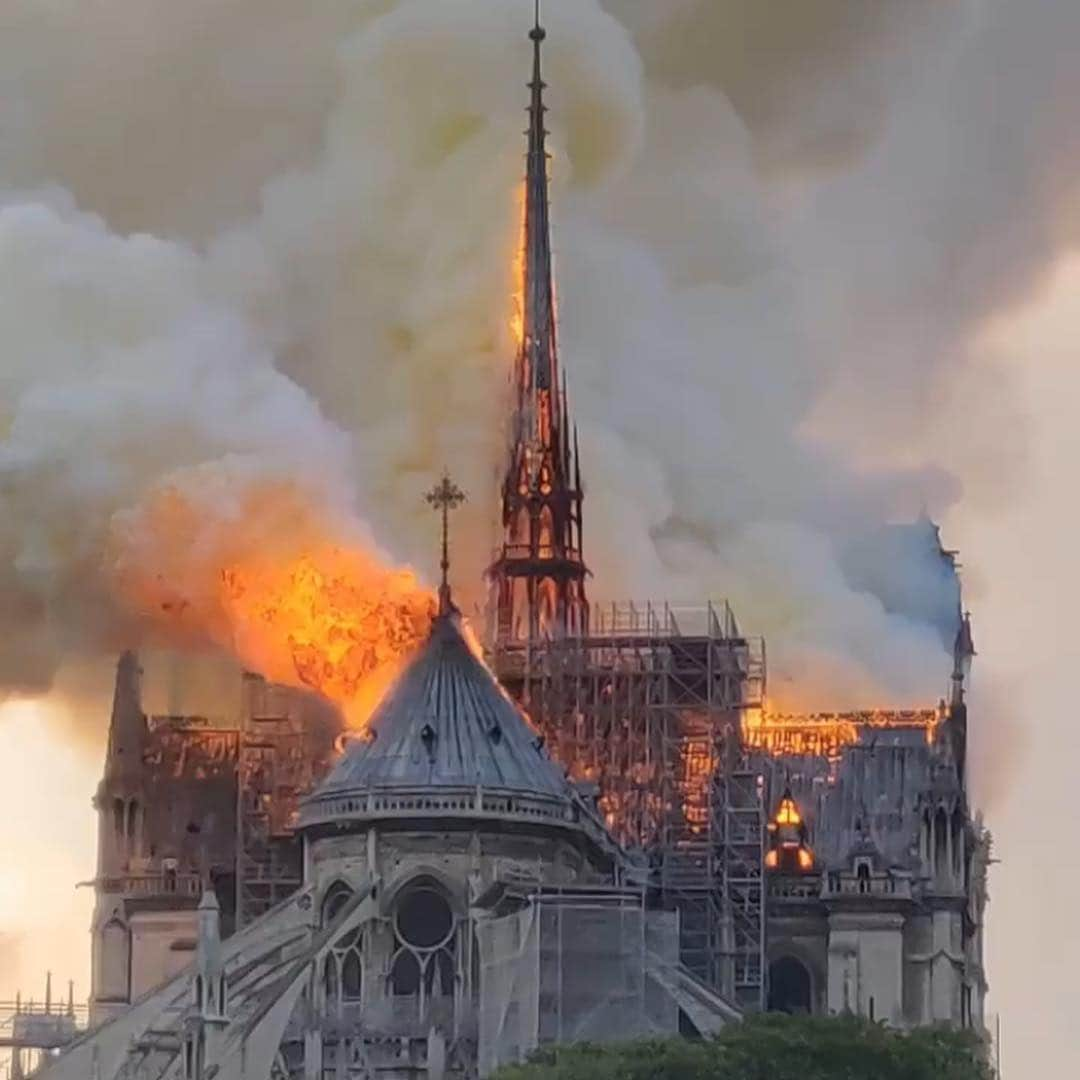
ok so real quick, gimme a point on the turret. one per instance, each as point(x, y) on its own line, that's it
point(119, 799)
point(127, 728)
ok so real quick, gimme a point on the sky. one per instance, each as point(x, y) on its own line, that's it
point(1024, 552)
point(816, 268)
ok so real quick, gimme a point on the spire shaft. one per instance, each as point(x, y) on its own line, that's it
point(539, 325)
point(539, 577)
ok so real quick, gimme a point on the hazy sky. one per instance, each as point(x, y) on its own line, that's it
point(1024, 553)
point(814, 262)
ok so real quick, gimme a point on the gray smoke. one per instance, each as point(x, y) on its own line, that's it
point(243, 244)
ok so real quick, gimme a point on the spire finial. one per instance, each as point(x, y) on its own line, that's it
point(538, 33)
point(445, 496)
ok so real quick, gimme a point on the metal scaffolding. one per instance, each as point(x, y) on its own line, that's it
point(275, 768)
point(645, 708)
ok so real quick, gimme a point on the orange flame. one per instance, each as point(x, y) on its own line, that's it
point(274, 583)
point(517, 311)
point(826, 734)
point(334, 620)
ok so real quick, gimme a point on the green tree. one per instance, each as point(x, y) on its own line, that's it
point(772, 1048)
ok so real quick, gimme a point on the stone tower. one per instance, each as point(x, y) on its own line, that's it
point(120, 803)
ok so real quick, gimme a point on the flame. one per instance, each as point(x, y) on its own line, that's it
point(827, 734)
point(291, 592)
point(332, 619)
point(517, 311)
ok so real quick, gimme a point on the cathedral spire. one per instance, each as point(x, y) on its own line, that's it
point(539, 576)
point(539, 313)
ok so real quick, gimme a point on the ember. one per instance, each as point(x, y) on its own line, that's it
point(826, 734)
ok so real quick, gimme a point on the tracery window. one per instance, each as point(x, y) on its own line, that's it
point(343, 969)
point(425, 933)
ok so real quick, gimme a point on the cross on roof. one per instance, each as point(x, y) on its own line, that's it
point(445, 496)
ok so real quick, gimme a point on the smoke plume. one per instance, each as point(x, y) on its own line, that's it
point(247, 249)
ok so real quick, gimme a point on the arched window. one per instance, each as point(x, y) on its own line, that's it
point(941, 842)
point(547, 601)
point(546, 540)
point(789, 987)
point(343, 971)
point(405, 974)
point(118, 822)
point(958, 843)
point(425, 964)
point(133, 827)
point(352, 976)
point(439, 975)
point(113, 984)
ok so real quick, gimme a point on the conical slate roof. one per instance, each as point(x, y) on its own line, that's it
point(448, 743)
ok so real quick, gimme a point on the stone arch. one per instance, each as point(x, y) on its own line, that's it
point(420, 875)
point(337, 895)
point(114, 980)
point(791, 986)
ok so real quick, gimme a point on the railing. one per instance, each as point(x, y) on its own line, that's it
point(48, 1026)
point(155, 885)
point(844, 885)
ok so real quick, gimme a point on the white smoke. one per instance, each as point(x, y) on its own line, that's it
point(299, 268)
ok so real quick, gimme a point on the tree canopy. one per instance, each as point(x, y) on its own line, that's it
point(772, 1048)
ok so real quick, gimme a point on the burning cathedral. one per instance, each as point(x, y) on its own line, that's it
point(585, 823)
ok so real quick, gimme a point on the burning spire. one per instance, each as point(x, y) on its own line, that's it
point(539, 577)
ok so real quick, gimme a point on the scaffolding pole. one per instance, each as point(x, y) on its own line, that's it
point(646, 710)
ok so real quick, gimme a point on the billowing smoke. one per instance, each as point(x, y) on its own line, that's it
point(246, 248)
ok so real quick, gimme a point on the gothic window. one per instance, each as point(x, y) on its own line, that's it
point(132, 826)
point(343, 970)
point(118, 821)
point(957, 843)
point(405, 974)
point(548, 599)
point(789, 986)
point(522, 528)
point(941, 842)
point(352, 975)
point(547, 534)
point(425, 963)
